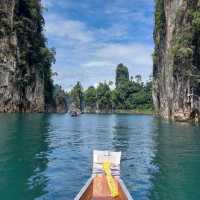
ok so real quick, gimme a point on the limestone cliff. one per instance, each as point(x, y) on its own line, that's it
point(25, 61)
point(59, 102)
point(176, 71)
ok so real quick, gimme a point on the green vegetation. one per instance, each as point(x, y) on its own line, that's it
point(159, 34)
point(130, 95)
point(90, 98)
point(186, 44)
point(195, 13)
point(160, 15)
point(122, 74)
point(196, 20)
point(182, 50)
point(104, 97)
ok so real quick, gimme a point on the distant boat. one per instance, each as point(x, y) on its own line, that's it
point(105, 182)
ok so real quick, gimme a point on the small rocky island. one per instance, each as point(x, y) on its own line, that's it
point(25, 61)
point(176, 70)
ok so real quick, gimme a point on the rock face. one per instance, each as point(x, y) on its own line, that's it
point(76, 99)
point(25, 61)
point(59, 101)
point(176, 71)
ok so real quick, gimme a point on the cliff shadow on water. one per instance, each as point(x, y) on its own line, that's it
point(177, 161)
point(24, 146)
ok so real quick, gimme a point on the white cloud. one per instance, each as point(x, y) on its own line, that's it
point(47, 3)
point(56, 26)
point(58, 3)
point(91, 64)
point(105, 59)
point(115, 31)
point(139, 54)
point(98, 63)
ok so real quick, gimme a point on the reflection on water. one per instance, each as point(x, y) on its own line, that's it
point(50, 156)
point(133, 135)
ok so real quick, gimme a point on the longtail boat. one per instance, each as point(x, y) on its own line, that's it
point(105, 182)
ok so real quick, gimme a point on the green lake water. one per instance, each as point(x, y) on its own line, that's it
point(48, 156)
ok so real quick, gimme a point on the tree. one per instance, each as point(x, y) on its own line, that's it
point(104, 100)
point(90, 97)
point(122, 81)
point(127, 95)
point(122, 75)
point(130, 94)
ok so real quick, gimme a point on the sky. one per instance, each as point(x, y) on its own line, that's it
point(92, 37)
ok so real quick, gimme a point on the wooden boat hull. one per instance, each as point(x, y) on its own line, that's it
point(97, 188)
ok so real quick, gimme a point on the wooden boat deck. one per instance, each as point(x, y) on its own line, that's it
point(99, 190)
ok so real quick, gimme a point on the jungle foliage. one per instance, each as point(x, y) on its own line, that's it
point(128, 94)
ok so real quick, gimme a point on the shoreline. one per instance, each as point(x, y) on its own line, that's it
point(135, 112)
point(129, 112)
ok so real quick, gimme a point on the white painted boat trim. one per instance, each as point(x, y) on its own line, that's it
point(83, 190)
